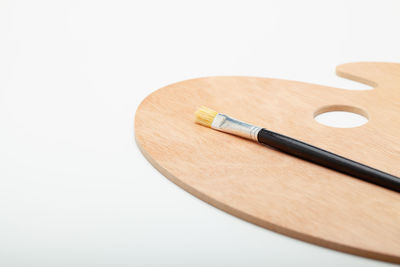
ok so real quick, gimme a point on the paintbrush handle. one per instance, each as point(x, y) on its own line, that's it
point(328, 159)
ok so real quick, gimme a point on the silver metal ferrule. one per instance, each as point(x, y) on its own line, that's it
point(227, 124)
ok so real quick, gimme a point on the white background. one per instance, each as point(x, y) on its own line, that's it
point(74, 188)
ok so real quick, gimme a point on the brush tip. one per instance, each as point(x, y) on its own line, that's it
point(205, 116)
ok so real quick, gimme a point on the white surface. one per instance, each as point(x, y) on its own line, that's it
point(74, 188)
point(341, 119)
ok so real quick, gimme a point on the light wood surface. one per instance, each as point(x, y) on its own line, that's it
point(272, 189)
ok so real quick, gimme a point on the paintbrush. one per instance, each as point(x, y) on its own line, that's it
point(224, 123)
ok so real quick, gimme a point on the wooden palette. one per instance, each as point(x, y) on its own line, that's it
point(272, 189)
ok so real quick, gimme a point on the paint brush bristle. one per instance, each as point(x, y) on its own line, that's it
point(205, 116)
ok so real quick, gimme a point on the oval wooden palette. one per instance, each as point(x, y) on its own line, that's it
point(272, 189)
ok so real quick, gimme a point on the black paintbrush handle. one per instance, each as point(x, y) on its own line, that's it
point(328, 159)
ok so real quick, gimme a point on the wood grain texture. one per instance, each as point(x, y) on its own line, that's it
point(272, 189)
